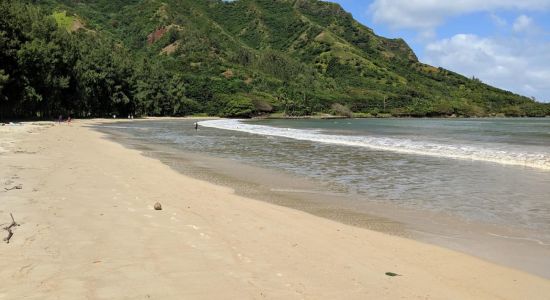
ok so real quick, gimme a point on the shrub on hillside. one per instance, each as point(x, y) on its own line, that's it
point(340, 110)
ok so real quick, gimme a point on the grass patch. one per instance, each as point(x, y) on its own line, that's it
point(63, 20)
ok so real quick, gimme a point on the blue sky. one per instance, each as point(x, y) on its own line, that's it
point(505, 43)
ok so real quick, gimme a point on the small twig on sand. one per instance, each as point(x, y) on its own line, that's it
point(17, 187)
point(8, 229)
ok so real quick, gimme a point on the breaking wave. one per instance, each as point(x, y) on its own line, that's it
point(407, 146)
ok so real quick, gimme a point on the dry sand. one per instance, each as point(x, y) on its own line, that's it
point(88, 231)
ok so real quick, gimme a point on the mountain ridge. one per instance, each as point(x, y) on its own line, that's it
point(296, 57)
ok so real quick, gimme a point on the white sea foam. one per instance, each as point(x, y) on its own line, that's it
point(539, 160)
point(520, 238)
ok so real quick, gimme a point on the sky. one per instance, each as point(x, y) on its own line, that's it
point(505, 43)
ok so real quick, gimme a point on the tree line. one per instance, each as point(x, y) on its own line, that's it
point(46, 71)
point(100, 71)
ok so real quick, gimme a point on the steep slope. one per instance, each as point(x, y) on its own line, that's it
point(294, 56)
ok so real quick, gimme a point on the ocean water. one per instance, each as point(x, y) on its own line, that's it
point(493, 172)
point(490, 170)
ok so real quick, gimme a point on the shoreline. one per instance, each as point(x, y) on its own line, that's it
point(88, 230)
point(265, 117)
point(508, 246)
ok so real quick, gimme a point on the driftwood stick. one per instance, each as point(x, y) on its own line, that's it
point(10, 234)
point(8, 229)
point(13, 221)
point(17, 187)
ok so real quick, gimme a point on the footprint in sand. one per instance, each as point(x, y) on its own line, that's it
point(26, 269)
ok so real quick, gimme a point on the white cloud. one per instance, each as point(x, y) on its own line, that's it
point(519, 62)
point(498, 20)
point(428, 14)
point(522, 24)
point(516, 64)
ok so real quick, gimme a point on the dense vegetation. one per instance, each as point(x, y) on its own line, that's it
point(237, 59)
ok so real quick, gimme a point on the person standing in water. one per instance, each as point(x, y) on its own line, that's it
point(196, 125)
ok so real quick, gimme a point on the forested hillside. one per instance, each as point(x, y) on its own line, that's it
point(228, 58)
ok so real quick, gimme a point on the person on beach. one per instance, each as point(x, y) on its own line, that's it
point(69, 120)
point(60, 119)
point(196, 125)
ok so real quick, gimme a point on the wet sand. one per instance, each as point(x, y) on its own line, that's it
point(502, 245)
point(88, 231)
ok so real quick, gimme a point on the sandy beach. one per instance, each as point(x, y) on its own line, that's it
point(88, 230)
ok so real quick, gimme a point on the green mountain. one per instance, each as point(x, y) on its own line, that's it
point(230, 58)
